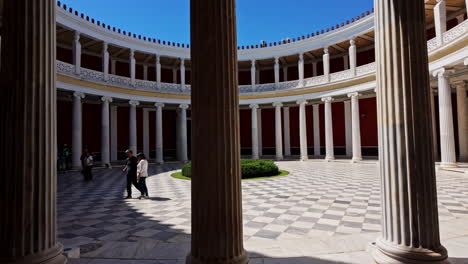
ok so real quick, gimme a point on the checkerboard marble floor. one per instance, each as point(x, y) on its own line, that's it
point(317, 199)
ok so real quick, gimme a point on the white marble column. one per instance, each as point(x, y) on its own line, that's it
point(285, 73)
point(287, 132)
point(77, 130)
point(462, 107)
point(326, 64)
point(132, 66)
point(133, 127)
point(348, 129)
point(146, 145)
point(113, 133)
point(440, 21)
point(145, 72)
point(105, 131)
point(158, 71)
point(303, 129)
point(159, 134)
point(300, 67)
point(76, 50)
point(314, 69)
point(329, 147)
point(278, 131)
point(447, 136)
point(316, 119)
point(255, 154)
point(105, 60)
point(346, 62)
point(260, 132)
point(277, 74)
point(182, 74)
point(410, 226)
point(253, 74)
point(183, 133)
point(352, 56)
point(356, 127)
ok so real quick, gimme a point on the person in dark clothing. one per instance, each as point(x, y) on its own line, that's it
point(131, 169)
point(87, 163)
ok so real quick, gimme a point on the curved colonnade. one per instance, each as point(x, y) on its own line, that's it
point(305, 114)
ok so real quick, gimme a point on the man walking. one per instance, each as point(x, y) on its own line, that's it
point(131, 169)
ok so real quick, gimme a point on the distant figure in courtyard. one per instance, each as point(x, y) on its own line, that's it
point(142, 173)
point(88, 163)
point(66, 153)
point(131, 169)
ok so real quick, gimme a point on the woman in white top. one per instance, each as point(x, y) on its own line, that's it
point(142, 173)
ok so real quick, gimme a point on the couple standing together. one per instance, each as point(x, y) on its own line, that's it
point(137, 171)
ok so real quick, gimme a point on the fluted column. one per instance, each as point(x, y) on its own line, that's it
point(216, 187)
point(277, 73)
point(352, 56)
point(434, 125)
point(329, 147)
point(440, 20)
point(253, 75)
point(182, 74)
point(146, 145)
point(159, 133)
point(105, 60)
point(348, 129)
point(76, 50)
point(410, 230)
point(183, 133)
point(303, 129)
point(113, 133)
point(300, 67)
point(278, 131)
point(255, 154)
point(462, 107)
point(133, 127)
point(158, 71)
point(77, 130)
point(316, 119)
point(28, 147)
point(260, 132)
point(326, 64)
point(356, 127)
point(105, 131)
point(447, 136)
point(132, 66)
point(287, 132)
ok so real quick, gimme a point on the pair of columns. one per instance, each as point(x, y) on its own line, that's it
point(256, 131)
point(447, 136)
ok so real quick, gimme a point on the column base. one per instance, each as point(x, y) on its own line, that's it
point(242, 259)
point(329, 159)
point(50, 256)
point(279, 158)
point(356, 160)
point(386, 253)
point(304, 158)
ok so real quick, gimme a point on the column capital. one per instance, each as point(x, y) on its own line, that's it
point(459, 84)
point(253, 106)
point(355, 94)
point(132, 53)
point(302, 102)
point(438, 1)
point(301, 56)
point(106, 99)
point(328, 99)
point(184, 106)
point(252, 62)
point(442, 72)
point(158, 58)
point(182, 62)
point(79, 95)
point(325, 50)
point(278, 104)
point(159, 105)
point(134, 103)
point(77, 36)
point(276, 60)
point(105, 46)
point(352, 41)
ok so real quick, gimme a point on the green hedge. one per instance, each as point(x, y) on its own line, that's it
point(250, 169)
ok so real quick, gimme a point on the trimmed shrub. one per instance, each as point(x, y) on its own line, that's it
point(250, 169)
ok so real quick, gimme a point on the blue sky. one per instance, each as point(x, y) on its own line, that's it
point(269, 20)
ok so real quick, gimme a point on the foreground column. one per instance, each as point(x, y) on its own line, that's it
point(216, 188)
point(28, 146)
point(434, 126)
point(316, 118)
point(410, 226)
point(303, 129)
point(183, 133)
point(287, 132)
point(77, 130)
point(255, 154)
point(448, 156)
point(329, 148)
point(132, 141)
point(462, 107)
point(159, 134)
point(278, 131)
point(356, 127)
point(105, 131)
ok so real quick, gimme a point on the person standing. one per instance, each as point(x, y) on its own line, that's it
point(88, 163)
point(142, 174)
point(131, 169)
point(66, 153)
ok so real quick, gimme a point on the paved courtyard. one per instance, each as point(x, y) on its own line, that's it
point(320, 213)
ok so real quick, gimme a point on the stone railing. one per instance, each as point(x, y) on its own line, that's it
point(449, 36)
